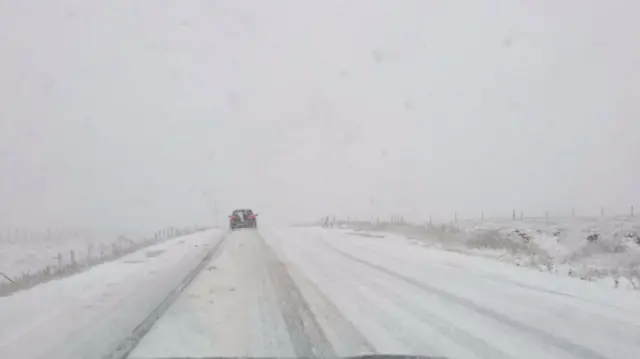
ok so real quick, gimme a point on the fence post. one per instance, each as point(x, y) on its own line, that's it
point(72, 257)
point(59, 260)
point(513, 215)
point(632, 210)
point(602, 211)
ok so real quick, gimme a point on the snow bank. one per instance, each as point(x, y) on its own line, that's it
point(606, 250)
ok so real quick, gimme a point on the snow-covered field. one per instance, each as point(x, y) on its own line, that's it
point(26, 252)
point(606, 250)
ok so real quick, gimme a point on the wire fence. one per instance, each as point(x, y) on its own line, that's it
point(29, 257)
point(548, 217)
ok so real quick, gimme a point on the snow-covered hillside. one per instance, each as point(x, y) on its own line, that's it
point(599, 249)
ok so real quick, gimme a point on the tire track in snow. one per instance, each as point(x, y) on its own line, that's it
point(338, 329)
point(439, 323)
point(307, 338)
point(127, 346)
point(546, 338)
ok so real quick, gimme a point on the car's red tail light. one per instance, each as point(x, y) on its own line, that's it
point(251, 216)
point(234, 217)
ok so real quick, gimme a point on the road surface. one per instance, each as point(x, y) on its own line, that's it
point(323, 293)
point(312, 292)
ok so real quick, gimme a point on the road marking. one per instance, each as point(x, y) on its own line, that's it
point(127, 345)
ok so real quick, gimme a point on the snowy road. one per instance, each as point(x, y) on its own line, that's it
point(311, 292)
point(320, 293)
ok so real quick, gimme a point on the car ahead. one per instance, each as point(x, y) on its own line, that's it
point(243, 218)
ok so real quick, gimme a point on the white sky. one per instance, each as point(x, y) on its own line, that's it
point(139, 114)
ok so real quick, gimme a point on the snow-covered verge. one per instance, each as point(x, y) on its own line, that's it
point(605, 250)
point(89, 314)
point(28, 258)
